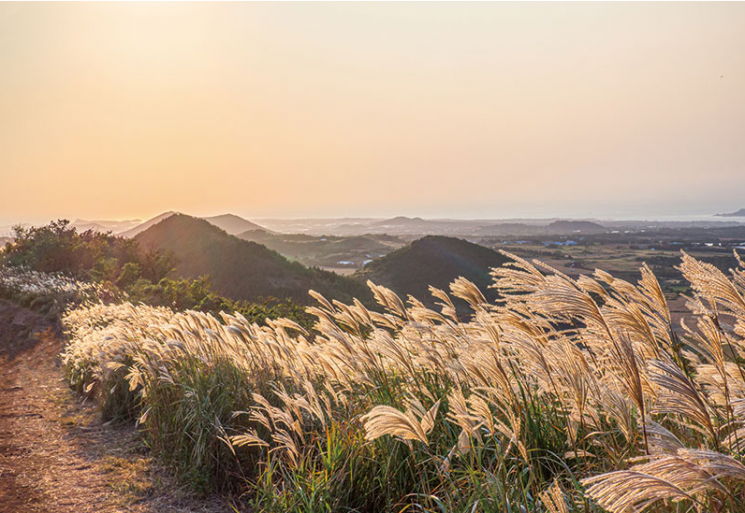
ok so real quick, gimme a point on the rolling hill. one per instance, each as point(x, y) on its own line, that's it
point(417, 226)
point(567, 227)
point(559, 227)
point(233, 224)
point(436, 261)
point(104, 226)
point(326, 251)
point(241, 269)
point(405, 222)
point(739, 213)
point(510, 229)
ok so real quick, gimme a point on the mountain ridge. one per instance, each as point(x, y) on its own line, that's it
point(234, 224)
point(231, 223)
point(240, 269)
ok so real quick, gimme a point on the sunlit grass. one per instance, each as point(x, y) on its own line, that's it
point(568, 395)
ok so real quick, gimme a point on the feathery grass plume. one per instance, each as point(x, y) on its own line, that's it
point(711, 284)
point(346, 318)
point(517, 276)
point(630, 318)
point(384, 420)
point(628, 372)
point(728, 378)
point(388, 300)
point(738, 277)
point(553, 499)
point(575, 384)
point(735, 438)
point(448, 309)
point(593, 286)
point(459, 414)
point(686, 474)
point(486, 370)
point(632, 491)
point(647, 297)
point(467, 291)
point(656, 300)
point(487, 322)
point(661, 440)
point(616, 406)
point(248, 438)
point(563, 298)
point(682, 398)
point(325, 305)
point(480, 410)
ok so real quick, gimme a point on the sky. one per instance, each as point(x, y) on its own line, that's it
point(478, 110)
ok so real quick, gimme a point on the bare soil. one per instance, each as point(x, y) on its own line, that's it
point(56, 455)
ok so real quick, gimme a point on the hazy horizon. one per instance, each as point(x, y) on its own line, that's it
point(618, 216)
point(318, 110)
point(686, 218)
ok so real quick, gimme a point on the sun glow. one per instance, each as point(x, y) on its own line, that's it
point(484, 110)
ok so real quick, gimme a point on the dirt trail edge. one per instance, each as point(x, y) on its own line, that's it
point(56, 456)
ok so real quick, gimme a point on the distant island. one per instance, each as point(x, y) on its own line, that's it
point(739, 213)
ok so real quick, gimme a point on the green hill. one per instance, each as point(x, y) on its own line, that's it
point(436, 261)
point(328, 251)
point(241, 269)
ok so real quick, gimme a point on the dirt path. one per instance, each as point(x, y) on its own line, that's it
point(56, 456)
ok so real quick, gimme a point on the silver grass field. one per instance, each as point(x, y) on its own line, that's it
point(566, 395)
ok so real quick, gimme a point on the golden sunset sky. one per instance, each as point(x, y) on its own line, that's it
point(327, 109)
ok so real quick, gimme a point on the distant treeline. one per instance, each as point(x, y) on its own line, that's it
point(123, 265)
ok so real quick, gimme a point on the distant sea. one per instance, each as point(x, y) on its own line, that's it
point(690, 218)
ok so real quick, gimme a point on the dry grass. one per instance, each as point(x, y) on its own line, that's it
point(567, 395)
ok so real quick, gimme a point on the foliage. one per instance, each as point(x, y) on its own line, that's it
point(197, 294)
point(56, 262)
point(91, 256)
